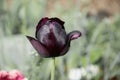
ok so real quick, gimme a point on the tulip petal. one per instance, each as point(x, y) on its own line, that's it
point(58, 20)
point(39, 47)
point(3, 74)
point(41, 23)
point(71, 36)
point(65, 49)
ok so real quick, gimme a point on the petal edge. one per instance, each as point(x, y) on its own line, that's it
point(38, 46)
point(58, 20)
point(71, 36)
point(74, 35)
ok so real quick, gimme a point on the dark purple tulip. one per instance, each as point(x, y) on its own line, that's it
point(51, 38)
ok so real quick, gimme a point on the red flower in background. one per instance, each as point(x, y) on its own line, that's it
point(51, 38)
point(12, 75)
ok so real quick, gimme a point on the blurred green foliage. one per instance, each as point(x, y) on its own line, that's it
point(98, 45)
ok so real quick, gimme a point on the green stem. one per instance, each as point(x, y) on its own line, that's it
point(53, 69)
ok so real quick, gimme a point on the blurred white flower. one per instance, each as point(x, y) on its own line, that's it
point(88, 72)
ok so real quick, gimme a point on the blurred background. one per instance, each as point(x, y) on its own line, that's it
point(94, 56)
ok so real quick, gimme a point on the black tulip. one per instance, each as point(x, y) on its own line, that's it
point(51, 38)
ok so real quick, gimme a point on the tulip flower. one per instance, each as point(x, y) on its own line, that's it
point(12, 75)
point(51, 38)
